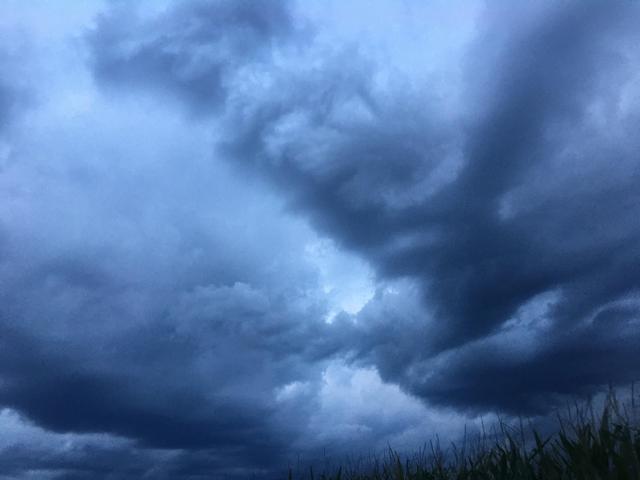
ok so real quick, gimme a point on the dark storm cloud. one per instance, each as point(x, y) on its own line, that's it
point(477, 261)
point(152, 296)
point(530, 188)
point(81, 399)
point(195, 372)
point(543, 90)
point(86, 462)
point(477, 267)
point(120, 462)
point(569, 363)
point(136, 302)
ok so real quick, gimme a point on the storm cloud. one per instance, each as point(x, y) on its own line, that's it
point(190, 52)
point(224, 223)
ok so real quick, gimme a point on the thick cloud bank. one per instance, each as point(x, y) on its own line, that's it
point(234, 232)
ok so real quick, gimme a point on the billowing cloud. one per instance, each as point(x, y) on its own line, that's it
point(191, 51)
point(529, 189)
point(233, 232)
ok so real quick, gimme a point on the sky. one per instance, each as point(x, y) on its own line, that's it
point(236, 235)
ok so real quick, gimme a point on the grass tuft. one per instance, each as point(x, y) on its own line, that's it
point(588, 445)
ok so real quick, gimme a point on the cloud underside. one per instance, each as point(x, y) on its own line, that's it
point(166, 297)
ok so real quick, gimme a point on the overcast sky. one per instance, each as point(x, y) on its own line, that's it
point(234, 234)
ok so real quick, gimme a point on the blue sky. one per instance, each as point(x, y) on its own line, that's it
point(234, 234)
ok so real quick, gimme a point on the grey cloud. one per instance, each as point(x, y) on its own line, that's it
point(531, 195)
point(197, 371)
point(571, 363)
point(150, 294)
point(190, 50)
point(84, 462)
point(138, 303)
point(121, 462)
point(478, 266)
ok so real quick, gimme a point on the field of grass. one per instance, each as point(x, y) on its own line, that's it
point(590, 444)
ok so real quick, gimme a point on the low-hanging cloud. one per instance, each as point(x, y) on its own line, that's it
point(529, 189)
point(161, 292)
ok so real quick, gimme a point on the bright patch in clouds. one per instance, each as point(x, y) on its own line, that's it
point(346, 280)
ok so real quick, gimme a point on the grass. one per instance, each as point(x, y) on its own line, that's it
point(590, 444)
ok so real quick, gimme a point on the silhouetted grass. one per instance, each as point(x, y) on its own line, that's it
point(590, 444)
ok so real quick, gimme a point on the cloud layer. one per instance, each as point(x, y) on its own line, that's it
point(225, 224)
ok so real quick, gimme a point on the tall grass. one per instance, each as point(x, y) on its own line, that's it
point(590, 444)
